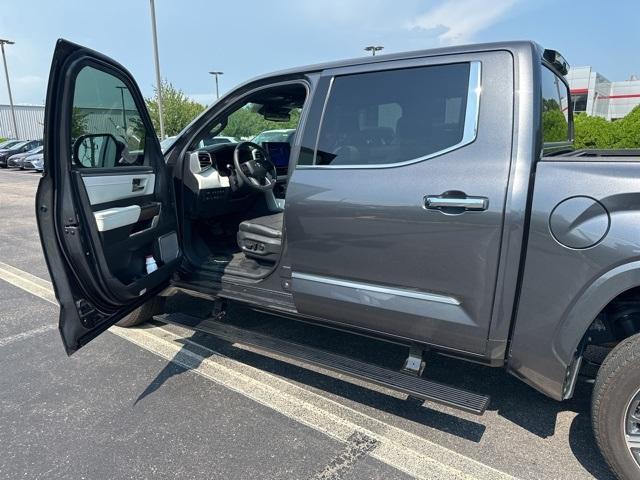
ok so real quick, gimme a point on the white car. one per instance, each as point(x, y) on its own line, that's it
point(283, 135)
point(34, 162)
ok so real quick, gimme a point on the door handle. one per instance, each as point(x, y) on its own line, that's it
point(136, 185)
point(455, 204)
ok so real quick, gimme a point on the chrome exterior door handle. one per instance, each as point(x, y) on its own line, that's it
point(456, 204)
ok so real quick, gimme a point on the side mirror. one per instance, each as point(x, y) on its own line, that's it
point(96, 150)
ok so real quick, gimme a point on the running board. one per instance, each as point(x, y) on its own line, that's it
point(413, 386)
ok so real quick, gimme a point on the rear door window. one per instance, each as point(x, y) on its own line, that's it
point(394, 116)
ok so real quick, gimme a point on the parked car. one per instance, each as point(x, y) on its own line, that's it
point(8, 143)
point(434, 199)
point(216, 140)
point(34, 162)
point(20, 147)
point(17, 159)
point(283, 135)
point(166, 143)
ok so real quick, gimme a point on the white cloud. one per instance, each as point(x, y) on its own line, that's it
point(457, 21)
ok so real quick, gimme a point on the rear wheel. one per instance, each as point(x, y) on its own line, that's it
point(143, 313)
point(616, 408)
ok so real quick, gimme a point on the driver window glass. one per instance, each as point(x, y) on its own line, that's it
point(107, 130)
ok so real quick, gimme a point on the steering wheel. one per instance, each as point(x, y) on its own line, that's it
point(259, 172)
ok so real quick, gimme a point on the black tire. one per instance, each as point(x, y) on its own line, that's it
point(617, 384)
point(143, 313)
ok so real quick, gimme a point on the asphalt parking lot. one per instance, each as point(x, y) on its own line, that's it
point(166, 402)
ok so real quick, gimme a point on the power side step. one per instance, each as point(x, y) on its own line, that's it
point(413, 386)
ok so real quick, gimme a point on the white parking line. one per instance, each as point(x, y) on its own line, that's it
point(405, 451)
point(24, 335)
point(32, 284)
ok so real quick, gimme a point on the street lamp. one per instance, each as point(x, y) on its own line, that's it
point(124, 116)
point(6, 73)
point(373, 49)
point(217, 74)
point(157, 62)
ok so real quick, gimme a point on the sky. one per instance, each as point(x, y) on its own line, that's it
point(245, 38)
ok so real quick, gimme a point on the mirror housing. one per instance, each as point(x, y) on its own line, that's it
point(275, 114)
point(557, 60)
point(101, 149)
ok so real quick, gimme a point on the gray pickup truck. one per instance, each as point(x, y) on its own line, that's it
point(431, 199)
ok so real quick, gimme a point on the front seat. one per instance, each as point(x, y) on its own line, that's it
point(261, 237)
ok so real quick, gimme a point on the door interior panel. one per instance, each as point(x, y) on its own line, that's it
point(118, 186)
point(129, 220)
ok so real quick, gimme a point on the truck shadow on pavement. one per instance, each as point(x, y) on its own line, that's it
point(174, 368)
point(510, 398)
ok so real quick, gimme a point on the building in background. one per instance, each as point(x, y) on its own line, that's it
point(594, 94)
point(29, 119)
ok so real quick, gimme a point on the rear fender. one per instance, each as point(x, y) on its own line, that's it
point(568, 281)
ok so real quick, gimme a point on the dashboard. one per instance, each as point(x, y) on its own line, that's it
point(209, 178)
point(219, 157)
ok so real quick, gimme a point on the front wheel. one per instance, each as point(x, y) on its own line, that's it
point(143, 313)
point(615, 408)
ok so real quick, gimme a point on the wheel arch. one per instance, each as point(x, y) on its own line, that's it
point(574, 332)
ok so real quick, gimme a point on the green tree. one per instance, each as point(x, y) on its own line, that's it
point(627, 130)
point(598, 133)
point(554, 126)
point(178, 110)
point(78, 122)
point(593, 132)
point(554, 123)
point(247, 122)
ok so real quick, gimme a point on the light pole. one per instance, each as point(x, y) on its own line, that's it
point(124, 116)
point(6, 73)
point(373, 49)
point(216, 74)
point(157, 62)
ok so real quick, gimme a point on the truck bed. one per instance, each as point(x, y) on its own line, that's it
point(596, 155)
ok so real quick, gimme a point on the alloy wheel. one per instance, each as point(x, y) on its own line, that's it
point(632, 427)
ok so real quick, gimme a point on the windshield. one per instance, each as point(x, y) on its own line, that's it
point(251, 123)
point(269, 115)
point(9, 143)
point(35, 150)
point(17, 145)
